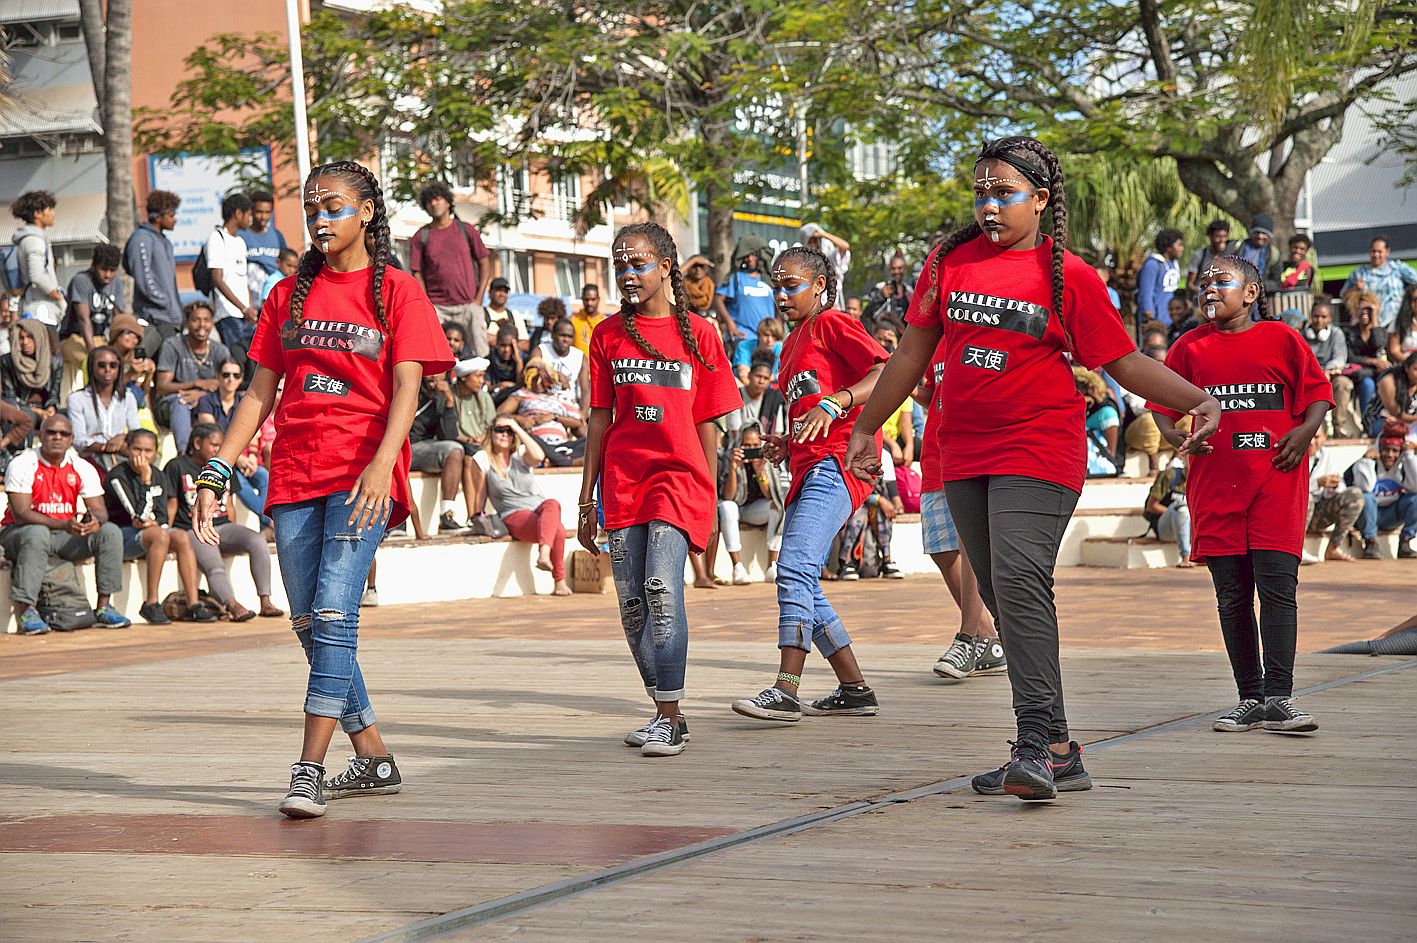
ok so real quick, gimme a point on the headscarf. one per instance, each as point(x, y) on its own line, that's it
point(34, 370)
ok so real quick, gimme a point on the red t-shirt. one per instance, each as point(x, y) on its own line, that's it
point(339, 379)
point(449, 260)
point(821, 356)
point(1014, 408)
point(652, 462)
point(56, 491)
point(1265, 377)
point(934, 415)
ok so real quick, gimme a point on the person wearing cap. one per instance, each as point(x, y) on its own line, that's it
point(498, 314)
point(1259, 250)
point(125, 335)
point(836, 249)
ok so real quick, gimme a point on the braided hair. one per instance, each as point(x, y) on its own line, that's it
point(365, 186)
point(818, 264)
point(663, 245)
point(1247, 270)
point(1037, 156)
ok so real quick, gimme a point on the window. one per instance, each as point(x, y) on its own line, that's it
point(565, 195)
point(569, 275)
point(513, 191)
point(516, 269)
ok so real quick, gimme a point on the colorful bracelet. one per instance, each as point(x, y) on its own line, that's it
point(831, 407)
point(213, 478)
point(790, 679)
point(220, 463)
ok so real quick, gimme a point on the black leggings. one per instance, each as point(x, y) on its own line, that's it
point(1275, 575)
point(1011, 526)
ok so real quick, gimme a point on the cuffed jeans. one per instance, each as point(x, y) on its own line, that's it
point(324, 563)
point(813, 519)
point(29, 547)
point(1011, 527)
point(648, 563)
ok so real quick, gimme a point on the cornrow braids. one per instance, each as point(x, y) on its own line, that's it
point(1057, 201)
point(1251, 274)
point(943, 248)
point(819, 265)
point(663, 244)
point(376, 239)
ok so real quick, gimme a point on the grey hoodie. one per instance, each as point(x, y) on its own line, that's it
point(149, 258)
point(36, 258)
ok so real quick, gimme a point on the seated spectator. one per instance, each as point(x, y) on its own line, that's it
point(30, 372)
point(1388, 478)
point(1183, 318)
point(1331, 503)
point(550, 310)
point(55, 510)
point(1141, 434)
point(1367, 352)
point(16, 427)
point(750, 492)
point(181, 472)
point(1331, 348)
point(768, 341)
point(435, 447)
point(1397, 395)
point(505, 365)
point(104, 411)
point(1293, 277)
point(186, 368)
point(763, 403)
point(878, 511)
point(125, 335)
point(565, 365)
point(287, 263)
point(898, 431)
point(250, 479)
point(137, 494)
point(476, 412)
point(498, 314)
point(1166, 509)
point(457, 338)
point(1402, 340)
point(1103, 423)
point(95, 296)
point(551, 420)
point(507, 465)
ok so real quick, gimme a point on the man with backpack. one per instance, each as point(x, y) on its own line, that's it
point(449, 259)
point(57, 510)
point(220, 273)
point(31, 261)
point(149, 258)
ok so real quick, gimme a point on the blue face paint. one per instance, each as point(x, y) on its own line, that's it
point(623, 269)
point(1222, 286)
point(1013, 199)
point(331, 216)
point(784, 290)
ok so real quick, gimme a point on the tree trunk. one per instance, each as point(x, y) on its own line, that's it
point(91, 19)
point(118, 119)
point(720, 207)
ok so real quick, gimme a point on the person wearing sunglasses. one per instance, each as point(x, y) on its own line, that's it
point(251, 480)
point(104, 411)
point(56, 509)
point(507, 462)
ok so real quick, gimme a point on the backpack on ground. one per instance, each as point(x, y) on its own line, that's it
point(62, 602)
point(202, 274)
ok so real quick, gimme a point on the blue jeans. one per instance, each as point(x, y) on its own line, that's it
point(1367, 388)
point(236, 331)
point(1402, 511)
point(324, 562)
point(648, 563)
point(1175, 524)
point(252, 492)
point(812, 520)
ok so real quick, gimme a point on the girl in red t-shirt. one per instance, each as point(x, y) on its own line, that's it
point(829, 368)
point(1010, 304)
point(353, 338)
point(658, 380)
point(1249, 494)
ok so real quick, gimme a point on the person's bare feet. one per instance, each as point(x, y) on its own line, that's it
point(1333, 553)
point(543, 560)
point(703, 582)
point(1185, 565)
point(561, 589)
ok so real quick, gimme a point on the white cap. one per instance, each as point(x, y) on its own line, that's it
point(475, 365)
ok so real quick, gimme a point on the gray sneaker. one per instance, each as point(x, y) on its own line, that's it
point(991, 658)
point(306, 799)
point(1247, 715)
point(1281, 716)
point(637, 738)
point(959, 660)
point(366, 776)
point(772, 704)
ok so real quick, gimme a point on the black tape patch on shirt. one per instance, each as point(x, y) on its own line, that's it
point(669, 374)
point(1007, 314)
point(648, 413)
point(336, 336)
point(1240, 397)
point(315, 383)
point(984, 358)
point(802, 384)
point(1247, 441)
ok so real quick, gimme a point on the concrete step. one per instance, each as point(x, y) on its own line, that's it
point(1148, 553)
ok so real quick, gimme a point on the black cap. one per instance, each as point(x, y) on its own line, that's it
point(500, 283)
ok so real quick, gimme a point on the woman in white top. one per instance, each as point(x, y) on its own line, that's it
point(104, 411)
point(507, 464)
point(1402, 340)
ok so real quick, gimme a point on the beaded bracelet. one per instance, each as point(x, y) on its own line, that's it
point(790, 679)
point(213, 477)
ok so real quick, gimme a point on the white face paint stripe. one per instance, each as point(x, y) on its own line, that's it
point(318, 194)
point(1212, 272)
point(989, 181)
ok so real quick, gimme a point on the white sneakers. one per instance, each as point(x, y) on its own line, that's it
point(740, 575)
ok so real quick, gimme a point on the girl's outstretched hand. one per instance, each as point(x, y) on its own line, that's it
point(863, 458)
point(1205, 419)
point(774, 448)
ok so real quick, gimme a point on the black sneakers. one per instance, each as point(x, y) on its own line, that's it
point(664, 739)
point(306, 799)
point(844, 702)
point(1247, 715)
point(637, 738)
point(365, 776)
point(1405, 550)
point(771, 704)
point(1371, 550)
point(1281, 716)
point(991, 658)
point(1068, 774)
point(152, 614)
point(1029, 774)
point(960, 659)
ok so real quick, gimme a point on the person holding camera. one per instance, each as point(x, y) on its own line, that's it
point(890, 298)
point(750, 493)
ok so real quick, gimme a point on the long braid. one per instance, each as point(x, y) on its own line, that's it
point(663, 244)
point(377, 238)
point(947, 245)
point(310, 264)
point(1057, 200)
point(682, 315)
point(1251, 274)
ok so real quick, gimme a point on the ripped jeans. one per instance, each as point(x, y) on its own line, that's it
point(323, 563)
point(648, 563)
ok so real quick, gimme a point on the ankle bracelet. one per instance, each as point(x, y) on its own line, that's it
point(794, 680)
